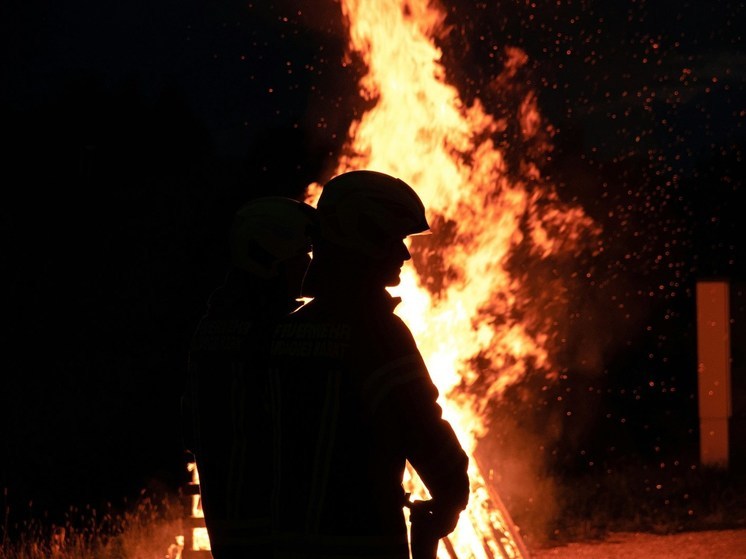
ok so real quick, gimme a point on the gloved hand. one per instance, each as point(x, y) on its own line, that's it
point(429, 524)
point(439, 519)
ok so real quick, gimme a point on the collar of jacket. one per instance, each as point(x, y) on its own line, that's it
point(356, 301)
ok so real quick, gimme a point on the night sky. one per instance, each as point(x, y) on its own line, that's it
point(132, 133)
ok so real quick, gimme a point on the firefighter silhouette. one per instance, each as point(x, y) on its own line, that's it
point(225, 402)
point(352, 399)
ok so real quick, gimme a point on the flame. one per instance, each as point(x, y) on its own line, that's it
point(463, 296)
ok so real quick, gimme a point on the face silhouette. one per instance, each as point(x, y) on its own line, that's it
point(336, 268)
point(387, 268)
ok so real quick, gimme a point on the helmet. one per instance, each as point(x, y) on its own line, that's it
point(363, 209)
point(269, 230)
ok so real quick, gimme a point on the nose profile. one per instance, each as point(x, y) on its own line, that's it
point(404, 250)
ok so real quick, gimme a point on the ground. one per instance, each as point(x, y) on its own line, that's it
point(713, 544)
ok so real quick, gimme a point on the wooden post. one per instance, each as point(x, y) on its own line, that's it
point(713, 371)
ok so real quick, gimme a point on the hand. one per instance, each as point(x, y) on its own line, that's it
point(432, 519)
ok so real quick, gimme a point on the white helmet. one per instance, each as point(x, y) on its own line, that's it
point(363, 209)
point(269, 230)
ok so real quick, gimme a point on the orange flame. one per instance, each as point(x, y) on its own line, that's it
point(483, 211)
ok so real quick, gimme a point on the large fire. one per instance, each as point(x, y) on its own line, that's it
point(461, 297)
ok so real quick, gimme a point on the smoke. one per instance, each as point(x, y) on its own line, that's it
point(512, 457)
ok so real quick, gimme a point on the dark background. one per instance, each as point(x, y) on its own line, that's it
point(131, 133)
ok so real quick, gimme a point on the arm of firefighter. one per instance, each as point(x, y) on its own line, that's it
point(438, 458)
point(404, 397)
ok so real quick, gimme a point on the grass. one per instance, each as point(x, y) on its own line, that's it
point(144, 530)
point(660, 499)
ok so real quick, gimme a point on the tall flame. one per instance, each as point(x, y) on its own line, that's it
point(462, 299)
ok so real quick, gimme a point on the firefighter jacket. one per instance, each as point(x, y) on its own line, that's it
point(228, 418)
point(352, 401)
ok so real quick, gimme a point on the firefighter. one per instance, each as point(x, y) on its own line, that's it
point(225, 400)
point(352, 399)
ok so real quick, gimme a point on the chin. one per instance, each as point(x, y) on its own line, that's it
point(393, 282)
